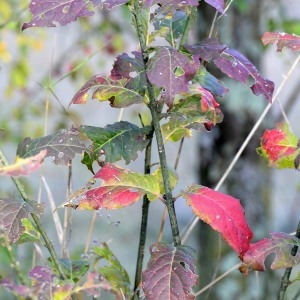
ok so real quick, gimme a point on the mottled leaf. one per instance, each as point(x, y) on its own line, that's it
point(237, 66)
point(207, 49)
point(280, 243)
point(119, 188)
point(106, 89)
point(282, 39)
point(223, 213)
point(171, 4)
point(114, 272)
point(23, 167)
point(131, 68)
point(54, 13)
point(30, 233)
point(188, 114)
point(280, 147)
point(62, 145)
point(41, 274)
point(12, 211)
point(170, 273)
point(118, 141)
point(234, 64)
point(217, 4)
point(170, 26)
point(171, 71)
point(109, 4)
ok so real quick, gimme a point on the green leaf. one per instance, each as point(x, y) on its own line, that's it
point(114, 272)
point(186, 115)
point(30, 234)
point(62, 145)
point(121, 140)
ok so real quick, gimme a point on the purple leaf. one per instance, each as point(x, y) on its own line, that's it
point(237, 66)
point(47, 13)
point(282, 39)
point(131, 68)
point(21, 290)
point(207, 49)
point(41, 274)
point(170, 273)
point(217, 4)
point(109, 4)
point(171, 71)
point(12, 211)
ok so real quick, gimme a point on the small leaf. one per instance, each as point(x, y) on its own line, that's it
point(30, 234)
point(56, 13)
point(109, 4)
point(280, 147)
point(223, 213)
point(162, 72)
point(114, 272)
point(118, 141)
point(119, 188)
point(280, 243)
point(217, 4)
point(170, 272)
point(23, 167)
point(106, 89)
point(41, 275)
point(282, 39)
point(132, 69)
point(172, 5)
point(12, 211)
point(62, 145)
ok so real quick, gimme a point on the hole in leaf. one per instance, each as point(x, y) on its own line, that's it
point(178, 71)
point(185, 265)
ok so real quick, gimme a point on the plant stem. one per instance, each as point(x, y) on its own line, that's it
point(285, 280)
point(48, 243)
point(188, 25)
point(155, 121)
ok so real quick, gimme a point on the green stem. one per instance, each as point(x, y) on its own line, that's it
point(155, 121)
point(39, 226)
point(285, 281)
point(188, 25)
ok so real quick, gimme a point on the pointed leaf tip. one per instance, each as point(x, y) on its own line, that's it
point(223, 213)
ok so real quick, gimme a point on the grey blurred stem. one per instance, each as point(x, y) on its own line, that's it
point(39, 226)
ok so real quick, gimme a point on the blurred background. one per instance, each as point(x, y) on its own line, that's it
point(41, 69)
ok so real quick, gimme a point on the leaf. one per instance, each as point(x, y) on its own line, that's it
point(223, 213)
point(282, 39)
point(106, 89)
point(280, 147)
point(172, 4)
point(121, 140)
point(119, 188)
point(114, 272)
point(62, 145)
point(170, 26)
point(237, 66)
point(131, 68)
point(47, 13)
point(189, 114)
point(23, 167)
point(41, 275)
point(209, 82)
point(171, 71)
point(12, 211)
point(233, 64)
point(217, 4)
point(109, 4)
point(170, 272)
point(30, 234)
point(280, 243)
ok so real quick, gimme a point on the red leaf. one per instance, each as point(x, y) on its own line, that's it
point(24, 166)
point(119, 188)
point(282, 39)
point(280, 244)
point(280, 147)
point(223, 213)
point(170, 273)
